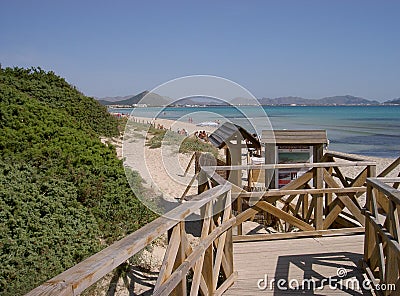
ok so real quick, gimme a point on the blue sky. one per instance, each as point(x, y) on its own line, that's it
point(304, 48)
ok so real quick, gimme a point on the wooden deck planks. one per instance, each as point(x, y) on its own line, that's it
point(297, 259)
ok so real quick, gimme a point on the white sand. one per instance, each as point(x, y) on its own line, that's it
point(381, 164)
point(175, 125)
point(162, 169)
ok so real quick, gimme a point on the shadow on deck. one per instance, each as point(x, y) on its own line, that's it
point(299, 267)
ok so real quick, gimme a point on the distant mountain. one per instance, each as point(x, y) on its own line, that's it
point(243, 101)
point(150, 99)
point(153, 99)
point(328, 101)
point(285, 101)
point(113, 99)
point(346, 100)
point(199, 101)
point(393, 102)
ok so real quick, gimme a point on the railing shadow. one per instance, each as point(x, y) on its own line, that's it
point(319, 274)
point(138, 282)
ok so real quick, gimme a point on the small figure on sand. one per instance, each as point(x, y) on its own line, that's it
point(183, 132)
point(202, 135)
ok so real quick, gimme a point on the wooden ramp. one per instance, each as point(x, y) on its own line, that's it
point(294, 260)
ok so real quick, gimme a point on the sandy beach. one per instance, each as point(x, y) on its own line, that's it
point(162, 169)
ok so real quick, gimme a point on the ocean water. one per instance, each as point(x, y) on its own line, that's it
point(365, 130)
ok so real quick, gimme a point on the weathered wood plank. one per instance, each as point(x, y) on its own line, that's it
point(293, 165)
point(342, 156)
point(189, 186)
point(170, 255)
point(392, 193)
point(189, 164)
point(390, 168)
point(333, 214)
point(289, 235)
point(283, 192)
point(283, 215)
point(295, 259)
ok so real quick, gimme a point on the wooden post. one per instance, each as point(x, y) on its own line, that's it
point(328, 196)
point(319, 203)
point(201, 176)
point(227, 161)
point(318, 151)
point(189, 186)
point(270, 158)
point(189, 165)
point(239, 203)
point(228, 250)
point(371, 171)
point(208, 257)
point(235, 176)
point(369, 231)
point(181, 288)
point(304, 209)
point(249, 172)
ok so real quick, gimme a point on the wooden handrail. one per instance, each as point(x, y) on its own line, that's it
point(279, 192)
point(390, 168)
point(290, 166)
point(382, 232)
point(381, 184)
point(341, 156)
point(79, 277)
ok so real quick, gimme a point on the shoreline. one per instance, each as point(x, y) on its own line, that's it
point(174, 125)
point(364, 131)
point(283, 105)
point(163, 168)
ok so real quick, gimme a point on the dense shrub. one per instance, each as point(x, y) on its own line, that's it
point(63, 194)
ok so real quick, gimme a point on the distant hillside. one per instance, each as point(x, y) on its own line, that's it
point(285, 101)
point(198, 101)
point(150, 99)
point(114, 99)
point(393, 102)
point(153, 99)
point(328, 101)
point(346, 100)
point(243, 101)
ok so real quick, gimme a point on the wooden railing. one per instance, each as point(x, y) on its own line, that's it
point(211, 260)
point(382, 233)
point(329, 204)
point(312, 208)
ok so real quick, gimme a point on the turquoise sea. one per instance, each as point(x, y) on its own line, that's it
point(366, 130)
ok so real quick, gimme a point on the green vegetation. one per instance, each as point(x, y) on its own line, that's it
point(158, 136)
point(63, 194)
point(186, 144)
point(193, 144)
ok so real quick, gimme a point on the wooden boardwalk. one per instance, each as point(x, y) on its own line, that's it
point(295, 260)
